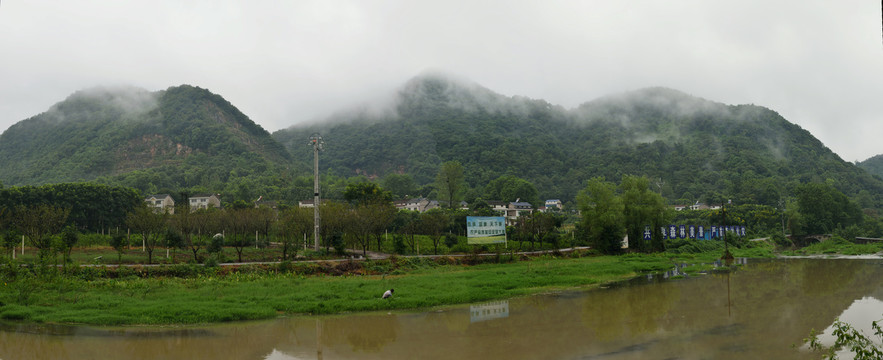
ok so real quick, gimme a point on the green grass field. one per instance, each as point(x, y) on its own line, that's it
point(247, 296)
point(181, 293)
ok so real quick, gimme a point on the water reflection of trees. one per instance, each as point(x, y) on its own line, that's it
point(628, 311)
point(362, 333)
point(827, 277)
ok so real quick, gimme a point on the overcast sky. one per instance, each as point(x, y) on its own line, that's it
point(818, 63)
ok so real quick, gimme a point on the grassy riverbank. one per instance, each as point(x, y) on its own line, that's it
point(267, 293)
point(836, 246)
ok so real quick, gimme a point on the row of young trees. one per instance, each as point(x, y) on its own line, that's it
point(362, 225)
point(37, 223)
point(360, 222)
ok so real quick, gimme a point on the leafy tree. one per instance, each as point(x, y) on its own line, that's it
point(8, 243)
point(433, 224)
point(400, 185)
point(263, 219)
point(333, 220)
point(367, 221)
point(241, 205)
point(38, 222)
point(534, 227)
point(240, 225)
point(4, 232)
point(407, 223)
point(294, 224)
point(795, 222)
point(93, 207)
point(861, 345)
point(150, 224)
point(480, 207)
point(190, 224)
point(449, 182)
point(366, 193)
point(457, 221)
point(642, 207)
point(337, 243)
point(383, 215)
point(450, 240)
point(602, 212)
point(359, 226)
point(825, 208)
point(399, 244)
point(69, 238)
point(216, 245)
point(119, 243)
point(510, 188)
point(173, 240)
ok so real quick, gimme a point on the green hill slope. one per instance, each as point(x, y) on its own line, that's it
point(873, 165)
point(181, 138)
point(692, 148)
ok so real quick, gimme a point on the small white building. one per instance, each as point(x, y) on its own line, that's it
point(417, 204)
point(205, 201)
point(554, 203)
point(498, 206)
point(517, 208)
point(408, 204)
point(161, 202)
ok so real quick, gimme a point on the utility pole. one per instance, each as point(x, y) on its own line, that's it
point(318, 144)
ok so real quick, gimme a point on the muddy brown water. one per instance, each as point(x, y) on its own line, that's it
point(763, 310)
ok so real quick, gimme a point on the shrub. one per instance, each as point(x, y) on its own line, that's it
point(338, 244)
point(781, 241)
point(284, 267)
point(450, 240)
point(399, 244)
point(554, 239)
point(688, 246)
point(95, 240)
point(461, 248)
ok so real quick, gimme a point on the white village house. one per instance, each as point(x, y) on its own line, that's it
point(161, 202)
point(205, 201)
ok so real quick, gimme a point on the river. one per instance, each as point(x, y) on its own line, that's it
point(762, 310)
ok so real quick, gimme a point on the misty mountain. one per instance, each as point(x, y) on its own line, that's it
point(693, 149)
point(180, 138)
point(873, 165)
point(188, 140)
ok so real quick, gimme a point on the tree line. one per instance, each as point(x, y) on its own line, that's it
point(612, 212)
point(362, 221)
point(365, 216)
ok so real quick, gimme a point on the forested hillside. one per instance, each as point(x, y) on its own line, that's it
point(182, 139)
point(873, 165)
point(693, 149)
point(188, 140)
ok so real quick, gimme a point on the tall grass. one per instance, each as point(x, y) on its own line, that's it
point(840, 246)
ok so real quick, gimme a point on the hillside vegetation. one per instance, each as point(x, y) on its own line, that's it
point(187, 140)
point(693, 149)
point(181, 139)
point(873, 165)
